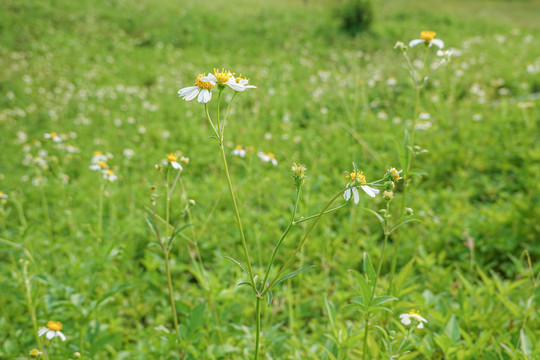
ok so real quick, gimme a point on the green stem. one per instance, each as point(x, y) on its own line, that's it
point(237, 215)
point(258, 331)
point(301, 220)
point(100, 209)
point(293, 255)
point(291, 223)
point(171, 296)
point(368, 315)
point(31, 308)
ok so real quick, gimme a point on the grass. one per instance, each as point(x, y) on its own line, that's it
point(105, 74)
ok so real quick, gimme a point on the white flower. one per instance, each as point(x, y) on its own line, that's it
point(172, 159)
point(240, 83)
point(357, 178)
point(201, 88)
point(52, 330)
point(3, 195)
point(108, 174)
point(406, 318)
point(427, 37)
point(53, 136)
point(226, 78)
point(239, 150)
point(268, 157)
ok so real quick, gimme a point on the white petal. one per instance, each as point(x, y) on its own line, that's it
point(186, 90)
point(204, 96)
point(437, 42)
point(356, 197)
point(176, 165)
point(274, 162)
point(250, 87)
point(235, 86)
point(61, 335)
point(405, 321)
point(347, 194)
point(415, 42)
point(42, 331)
point(420, 326)
point(370, 191)
point(211, 77)
point(50, 334)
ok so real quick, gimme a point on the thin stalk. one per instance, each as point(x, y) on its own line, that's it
point(291, 223)
point(168, 272)
point(291, 258)
point(368, 315)
point(403, 342)
point(31, 308)
point(237, 215)
point(258, 330)
point(100, 209)
point(301, 220)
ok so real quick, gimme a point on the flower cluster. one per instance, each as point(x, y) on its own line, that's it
point(202, 88)
point(99, 163)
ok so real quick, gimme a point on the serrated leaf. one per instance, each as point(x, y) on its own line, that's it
point(239, 264)
point(452, 329)
point(369, 270)
point(292, 274)
point(525, 345)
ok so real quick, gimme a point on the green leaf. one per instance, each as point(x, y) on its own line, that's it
point(364, 287)
point(444, 343)
point(452, 329)
point(112, 292)
point(245, 283)
point(239, 264)
point(381, 220)
point(369, 270)
point(330, 355)
point(403, 223)
point(270, 297)
point(292, 274)
point(526, 345)
point(379, 300)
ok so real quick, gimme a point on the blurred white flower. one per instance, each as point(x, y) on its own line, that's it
point(172, 159)
point(427, 37)
point(406, 318)
point(267, 157)
point(53, 136)
point(239, 150)
point(52, 330)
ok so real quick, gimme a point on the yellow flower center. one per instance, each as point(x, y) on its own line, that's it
point(185, 160)
point(239, 147)
point(102, 164)
point(240, 78)
point(427, 36)
point(271, 155)
point(172, 157)
point(53, 134)
point(359, 176)
point(222, 76)
point(54, 325)
point(98, 153)
point(34, 352)
point(203, 84)
point(412, 312)
point(395, 173)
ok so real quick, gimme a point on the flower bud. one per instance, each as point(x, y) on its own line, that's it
point(409, 211)
point(388, 195)
point(299, 173)
point(389, 185)
point(400, 46)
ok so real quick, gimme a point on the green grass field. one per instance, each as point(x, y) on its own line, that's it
point(103, 75)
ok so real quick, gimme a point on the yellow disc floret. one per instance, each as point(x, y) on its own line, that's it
point(172, 157)
point(102, 164)
point(412, 312)
point(203, 84)
point(53, 134)
point(357, 176)
point(427, 36)
point(222, 75)
point(54, 325)
point(240, 78)
point(271, 155)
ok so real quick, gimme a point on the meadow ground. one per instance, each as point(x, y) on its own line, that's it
point(80, 77)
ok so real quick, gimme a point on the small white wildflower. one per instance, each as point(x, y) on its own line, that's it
point(52, 330)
